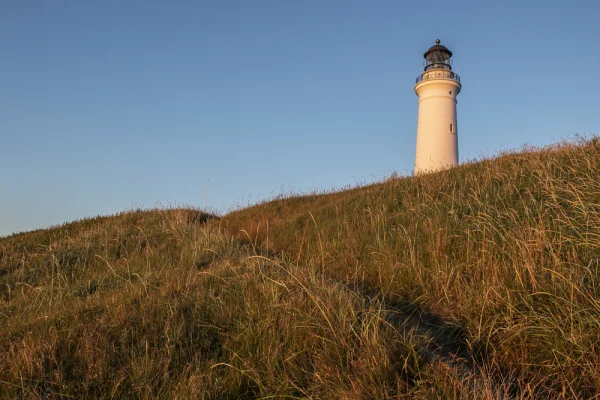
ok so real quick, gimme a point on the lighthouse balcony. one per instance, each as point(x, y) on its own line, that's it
point(438, 74)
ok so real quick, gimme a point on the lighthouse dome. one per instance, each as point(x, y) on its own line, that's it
point(438, 50)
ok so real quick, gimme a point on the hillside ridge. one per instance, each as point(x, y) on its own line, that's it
point(482, 281)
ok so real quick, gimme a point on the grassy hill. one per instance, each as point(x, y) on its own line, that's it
point(478, 282)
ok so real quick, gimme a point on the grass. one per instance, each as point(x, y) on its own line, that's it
point(482, 281)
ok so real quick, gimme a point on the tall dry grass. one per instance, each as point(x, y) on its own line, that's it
point(160, 305)
point(506, 250)
point(478, 282)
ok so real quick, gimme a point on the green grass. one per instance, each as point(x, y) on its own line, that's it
point(478, 282)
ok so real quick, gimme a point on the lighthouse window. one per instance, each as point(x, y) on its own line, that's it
point(451, 128)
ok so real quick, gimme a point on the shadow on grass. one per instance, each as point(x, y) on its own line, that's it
point(445, 341)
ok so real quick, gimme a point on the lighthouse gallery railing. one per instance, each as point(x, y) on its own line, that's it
point(437, 74)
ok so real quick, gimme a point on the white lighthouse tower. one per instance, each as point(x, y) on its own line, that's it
point(437, 132)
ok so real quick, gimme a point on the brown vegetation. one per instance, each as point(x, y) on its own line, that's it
point(478, 282)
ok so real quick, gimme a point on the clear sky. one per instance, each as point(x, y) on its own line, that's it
point(108, 105)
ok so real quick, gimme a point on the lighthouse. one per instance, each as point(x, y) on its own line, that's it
point(437, 131)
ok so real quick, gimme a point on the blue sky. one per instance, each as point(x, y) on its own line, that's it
point(109, 105)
